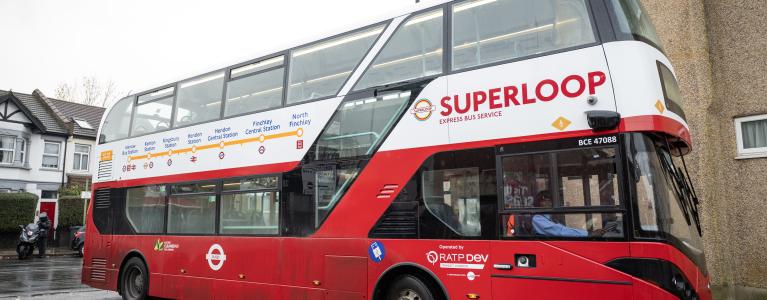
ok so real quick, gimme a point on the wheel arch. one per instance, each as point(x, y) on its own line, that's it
point(394, 271)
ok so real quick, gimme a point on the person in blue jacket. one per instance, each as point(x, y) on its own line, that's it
point(544, 225)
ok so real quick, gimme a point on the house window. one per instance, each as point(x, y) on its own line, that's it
point(7, 145)
point(21, 151)
point(51, 154)
point(82, 155)
point(49, 195)
point(751, 133)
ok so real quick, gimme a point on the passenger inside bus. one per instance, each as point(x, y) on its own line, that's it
point(543, 224)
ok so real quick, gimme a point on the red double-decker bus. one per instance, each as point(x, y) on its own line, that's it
point(493, 149)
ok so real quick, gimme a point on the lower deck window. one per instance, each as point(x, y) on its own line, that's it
point(192, 214)
point(563, 225)
point(145, 208)
point(250, 213)
point(453, 197)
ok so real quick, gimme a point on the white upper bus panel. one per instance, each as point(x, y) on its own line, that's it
point(487, 31)
point(319, 70)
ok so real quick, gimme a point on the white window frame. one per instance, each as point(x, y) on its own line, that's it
point(22, 152)
point(12, 149)
point(86, 155)
point(744, 153)
point(49, 191)
point(58, 155)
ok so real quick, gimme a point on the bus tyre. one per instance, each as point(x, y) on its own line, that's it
point(409, 287)
point(134, 280)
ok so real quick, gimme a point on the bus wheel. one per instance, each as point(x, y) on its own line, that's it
point(409, 287)
point(134, 283)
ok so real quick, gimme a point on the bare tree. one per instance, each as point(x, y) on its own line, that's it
point(90, 91)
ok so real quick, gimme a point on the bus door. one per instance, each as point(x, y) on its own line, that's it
point(561, 219)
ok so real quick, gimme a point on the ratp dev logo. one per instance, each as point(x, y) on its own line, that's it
point(422, 109)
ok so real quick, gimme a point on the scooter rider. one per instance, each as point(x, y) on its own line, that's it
point(44, 226)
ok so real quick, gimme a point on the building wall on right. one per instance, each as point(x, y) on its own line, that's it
point(719, 52)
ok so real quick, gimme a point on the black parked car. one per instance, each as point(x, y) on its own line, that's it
point(78, 240)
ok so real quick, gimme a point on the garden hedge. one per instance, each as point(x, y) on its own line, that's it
point(16, 209)
point(70, 211)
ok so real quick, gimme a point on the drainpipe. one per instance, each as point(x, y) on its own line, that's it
point(63, 174)
point(64, 165)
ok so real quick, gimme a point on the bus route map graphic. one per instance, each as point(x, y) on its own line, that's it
point(221, 145)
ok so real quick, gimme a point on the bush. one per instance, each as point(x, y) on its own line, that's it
point(71, 190)
point(70, 211)
point(16, 209)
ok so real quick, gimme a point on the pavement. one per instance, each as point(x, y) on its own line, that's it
point(53, 277)
point(62, 251)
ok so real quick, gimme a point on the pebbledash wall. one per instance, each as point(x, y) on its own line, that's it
point(719, 51)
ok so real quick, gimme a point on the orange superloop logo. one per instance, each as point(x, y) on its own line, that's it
point(423, 109)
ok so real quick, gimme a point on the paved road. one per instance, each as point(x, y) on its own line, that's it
point(46, 278)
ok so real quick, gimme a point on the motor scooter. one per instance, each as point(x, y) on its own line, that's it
point(27, 240)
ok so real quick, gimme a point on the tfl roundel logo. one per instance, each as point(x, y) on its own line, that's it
point(423, 109)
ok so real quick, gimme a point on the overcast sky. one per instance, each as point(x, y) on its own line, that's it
point(140, 44)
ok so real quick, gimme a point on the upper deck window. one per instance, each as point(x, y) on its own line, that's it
point(414, 51)
point(117, 123)
point(152, 116)
point(633, 22)
point(319, 70)
point(153, 112)
point(159, 94)
point(258, 87)
point(199, 100)
point(487, 31)
point(359, 126)
point(258, 66)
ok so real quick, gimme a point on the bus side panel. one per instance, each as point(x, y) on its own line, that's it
point(554, 273)
point(342, 276)
point(460, 266)
point(318, 267)
point(97, 271)
point(545, 289)
point(198, 261)
point(644, 290)
point(669, 253)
